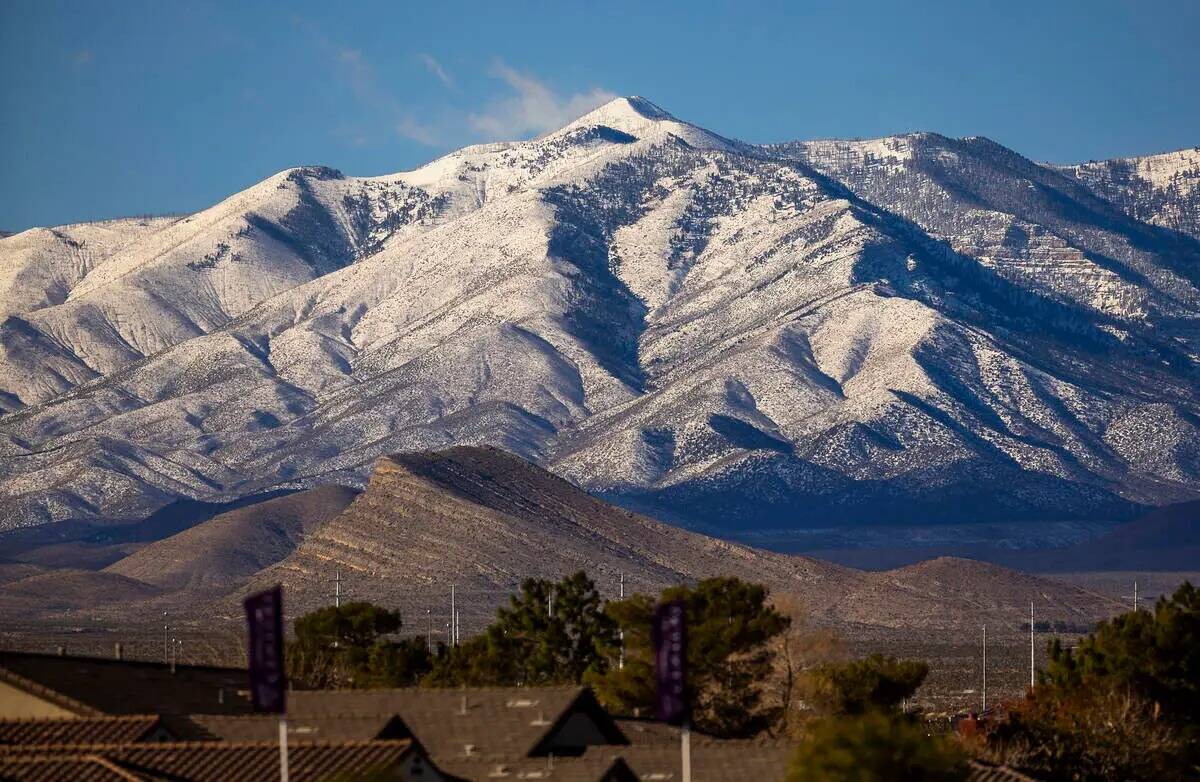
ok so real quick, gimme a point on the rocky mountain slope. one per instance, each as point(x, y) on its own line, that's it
point(1157, 189)
point(482, 520)
point(1167, 539)
point(726, 335)
point(227, 549)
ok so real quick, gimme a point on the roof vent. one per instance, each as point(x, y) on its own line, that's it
point(498, 772)
point(541, 719)
point(468, 749)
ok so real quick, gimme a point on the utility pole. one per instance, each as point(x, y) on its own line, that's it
point(166, 647)
point(428, 630)
point(1031, 663)
point(337, 604)
point(453, 620)
point(1135, 601)
point(984, 669)
point(621, 633)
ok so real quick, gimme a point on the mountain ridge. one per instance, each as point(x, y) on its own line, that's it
point(483, 520)
point(727, 335)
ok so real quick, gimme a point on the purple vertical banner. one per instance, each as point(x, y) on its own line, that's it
point(268, 681)
point(669, 633)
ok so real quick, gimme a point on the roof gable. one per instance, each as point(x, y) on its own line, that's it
point(585, 705)
point(491, 723)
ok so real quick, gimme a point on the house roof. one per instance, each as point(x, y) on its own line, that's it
point(91, 686)
point(985, 772)
point(500, 723)
point(265, 727)
point(713, 760)
point(211, 761)
point(55, 768)
point(580, 769)
point(88, 730)
point(640, 731)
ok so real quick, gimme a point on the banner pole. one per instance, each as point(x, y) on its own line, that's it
point(283, 749)
point(685, 741)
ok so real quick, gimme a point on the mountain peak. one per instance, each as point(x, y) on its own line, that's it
point(632, 110)
point(639, 117)
point(632, 114)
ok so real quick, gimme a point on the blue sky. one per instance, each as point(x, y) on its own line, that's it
point(119, 108)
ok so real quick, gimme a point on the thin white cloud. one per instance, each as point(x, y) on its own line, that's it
point(364, 84)
point(533, 109)
point(530, 108)
point(359, 75)
point(435, 67)
point(419, 132)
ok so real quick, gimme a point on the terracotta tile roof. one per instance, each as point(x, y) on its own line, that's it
point(57, 768)
point(87, 730)
point(502, 723)
point(210, 761)
point(91, 686)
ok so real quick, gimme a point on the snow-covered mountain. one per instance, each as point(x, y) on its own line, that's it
point(1159, 189)
point(724, 334)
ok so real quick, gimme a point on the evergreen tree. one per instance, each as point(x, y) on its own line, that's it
point(345, 646)
point(875, 747)
point(874, 683)
point(1123, 704)
point(550, 633)
point(730, 627)
point(1155, 654)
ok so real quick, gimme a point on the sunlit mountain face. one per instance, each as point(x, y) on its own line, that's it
point(735, 337)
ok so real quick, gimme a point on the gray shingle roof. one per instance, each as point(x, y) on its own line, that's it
point(502, 723)
point(91, 686)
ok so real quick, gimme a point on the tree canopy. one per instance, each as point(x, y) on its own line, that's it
point(1155, 654)
point(1123, 704)
point(875, 747)
point(875, 682)
point(345, 646)
point(550, 633)
point(730, 625)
